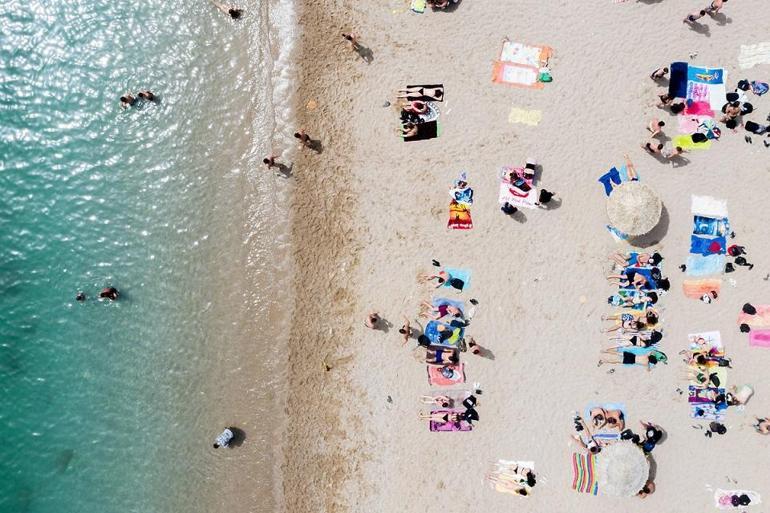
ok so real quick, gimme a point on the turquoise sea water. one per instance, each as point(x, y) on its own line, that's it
point(111, 407)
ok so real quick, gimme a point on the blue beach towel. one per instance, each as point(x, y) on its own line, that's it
point(460, 305)
point(704, 265)
point(460, 274)
point(644, 271)
point(677, 83)
point(616, 234)
point(610, 177)
point(700, 245)
point(710, 226)
point(431, 331)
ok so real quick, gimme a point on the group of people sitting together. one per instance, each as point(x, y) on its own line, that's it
point(635, 330)
point(418, 108)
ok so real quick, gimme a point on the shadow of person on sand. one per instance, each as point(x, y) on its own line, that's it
point(284, 170)
point(554, 204)
point(315, 145)
point(239, 436)
point(699, 28)
point(679, 161)
point(721, 19)
point(365, 53)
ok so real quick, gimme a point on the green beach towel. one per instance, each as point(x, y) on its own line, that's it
point(419, 6)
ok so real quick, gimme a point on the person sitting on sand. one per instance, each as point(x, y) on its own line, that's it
point(762, 425)
point(652, 435)
point(645, 338)
point(127, 100)
point(665, 100)
point(473, 345)
point(416, 107)
point(224, 438)
point(421, 93)
point(615, 419)
point(438, 400)
point(731, 111)
point(694, 17)
point(647, 489)
point(655, 126)
point(634, 259)
point(659, 74)
point(441, 310)
point(598, 417)
point(620, 357)
point(544, 198)
point(441, 357)
point(405, 330)
point(372, 320)
point(653, 149)
point(408, 130)
point(231, 11)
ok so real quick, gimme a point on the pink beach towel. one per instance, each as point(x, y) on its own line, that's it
point(699, 109)
point(449, 426)
point(759, 338)
point(437, 379)
point(759, 320)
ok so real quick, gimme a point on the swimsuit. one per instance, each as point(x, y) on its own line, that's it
point(629, 358)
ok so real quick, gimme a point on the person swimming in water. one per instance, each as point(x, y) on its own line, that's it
point(110, 293)
point(231, 11)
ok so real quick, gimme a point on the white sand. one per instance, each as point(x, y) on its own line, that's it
point(529, 277)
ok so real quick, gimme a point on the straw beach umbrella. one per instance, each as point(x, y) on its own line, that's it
point(634, 208)
point(622, 469)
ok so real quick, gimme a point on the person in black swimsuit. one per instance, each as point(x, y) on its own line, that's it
point(425, 93)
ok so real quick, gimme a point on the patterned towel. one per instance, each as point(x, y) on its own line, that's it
point(459, 216)
point(584, 473)
point(516, 193)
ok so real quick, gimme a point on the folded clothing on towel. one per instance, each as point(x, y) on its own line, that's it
point(447, 375)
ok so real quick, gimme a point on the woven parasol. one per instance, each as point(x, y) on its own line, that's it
point(622, 469)
point(634, 208)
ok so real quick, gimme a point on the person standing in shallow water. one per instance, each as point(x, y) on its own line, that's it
point(231, 11)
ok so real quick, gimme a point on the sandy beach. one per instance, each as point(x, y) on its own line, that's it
point(370, 213)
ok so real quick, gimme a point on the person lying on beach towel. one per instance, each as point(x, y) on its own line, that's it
point(439, 311)
point(437, 400)
point(626, 323)
point(634, 259)
point(640, 339)
point(441, 357)
point(618, 356)
point(633, 300)
point(422, 93)
point(636, 279)
point(602, 418)
point(441, 278)
point(649, 316)
point(470, 414)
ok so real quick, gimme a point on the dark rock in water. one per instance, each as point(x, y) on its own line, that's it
point(63, 460)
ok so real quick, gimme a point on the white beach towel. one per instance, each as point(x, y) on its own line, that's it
point(751, 55)
point(707, 206)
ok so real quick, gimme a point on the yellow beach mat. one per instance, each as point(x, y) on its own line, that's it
point(525, 117)
point(685, 142)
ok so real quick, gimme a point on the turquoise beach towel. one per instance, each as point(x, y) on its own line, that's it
point(702, 266)
point(460, 274)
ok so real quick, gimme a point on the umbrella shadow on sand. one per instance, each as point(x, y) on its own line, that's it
point(655, 235)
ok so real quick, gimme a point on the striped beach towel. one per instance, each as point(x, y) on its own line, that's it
point(584, 473)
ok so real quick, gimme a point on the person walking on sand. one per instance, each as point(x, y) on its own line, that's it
point(304, 139)
point(372, 320)
point(231, 11)
point(352, 38)
point(678, 151)
point(269, 161)
point(694, 17)
point(653, 149)
point(659, 74)
point(405, 331)
point(544, 198)
point(656, 127)
point(715, 7)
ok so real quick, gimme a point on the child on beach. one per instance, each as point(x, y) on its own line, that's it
point(659, 74)
point(693, 17)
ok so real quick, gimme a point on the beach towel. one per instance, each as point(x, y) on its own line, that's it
point(463, 275)
point(723, 498)
point(418, 6)
point(761, 319)
point(706, 340)
point(462, 195)
point(759, 338)
point(432, 332)
point(520, 65)
point(689, 124)
point(519, 193)
point(703, 266)
point(701, 395)
point(616, 234)
point(700, 245)
point(702, 109)
point(428, 98)
point(438, 301)
point(436, 378)
point(695, 289)
point(710, 226)
point(686, 143)
point(425, 131)
point(677, 82)
point(455, 396)
point(751, 55)
point(459, 216)
point(706, 411)
point(708, 206)
point(644, 271)
point(506, 471)
point(527, 55)
point(607, 434)
point(436, 426)
point(516, 75)
point(706, 85)
point(614, 176)
point(584, 473)
point(525, 117)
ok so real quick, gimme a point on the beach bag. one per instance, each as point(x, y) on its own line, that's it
point(759, 88)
